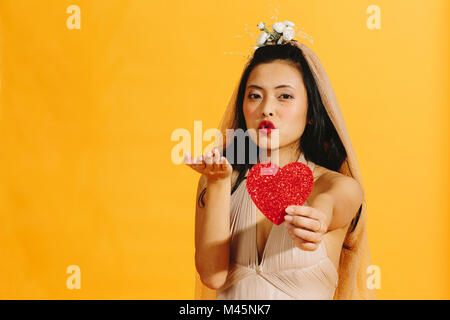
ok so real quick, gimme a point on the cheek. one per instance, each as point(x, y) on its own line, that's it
point(294, 117)
point(249, 112)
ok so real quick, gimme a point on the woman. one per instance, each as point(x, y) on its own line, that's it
point(320, 251)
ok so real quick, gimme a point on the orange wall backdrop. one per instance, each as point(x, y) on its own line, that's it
point(86, 117)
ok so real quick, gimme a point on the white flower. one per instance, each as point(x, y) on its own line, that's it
point(278, 27)
point(262, 38)
point(261, 26)
point(289, 23)
point(288, 33)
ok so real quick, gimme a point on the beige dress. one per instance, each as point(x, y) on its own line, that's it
point(285, 272)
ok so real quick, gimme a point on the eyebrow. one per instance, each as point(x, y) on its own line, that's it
point(280, 86)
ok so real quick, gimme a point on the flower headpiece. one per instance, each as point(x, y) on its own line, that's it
point(281, 31)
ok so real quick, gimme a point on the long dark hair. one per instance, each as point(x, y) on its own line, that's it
point(319, 142)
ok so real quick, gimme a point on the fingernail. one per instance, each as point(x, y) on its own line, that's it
point(288, 218)
point(289, 209)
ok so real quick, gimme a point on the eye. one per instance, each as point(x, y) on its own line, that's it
point(252, 95)
point(286, 96)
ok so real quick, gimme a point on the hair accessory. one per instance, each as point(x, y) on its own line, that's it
point(281, 32)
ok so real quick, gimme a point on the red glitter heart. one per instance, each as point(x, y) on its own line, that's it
point(273, 189)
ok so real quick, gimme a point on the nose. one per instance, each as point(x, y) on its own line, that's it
point(268, 109)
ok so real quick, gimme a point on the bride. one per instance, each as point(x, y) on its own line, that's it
point(320, 250)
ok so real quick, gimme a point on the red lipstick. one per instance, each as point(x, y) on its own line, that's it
point(266, 127)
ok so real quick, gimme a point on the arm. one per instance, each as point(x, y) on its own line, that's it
point(212, 220)
point(212, 232)
point(340, 199)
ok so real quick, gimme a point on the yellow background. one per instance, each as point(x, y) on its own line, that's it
point(86, 116)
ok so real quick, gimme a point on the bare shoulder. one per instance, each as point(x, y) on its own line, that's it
point(327, 180)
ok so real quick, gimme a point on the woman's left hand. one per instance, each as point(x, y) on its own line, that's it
point(306, 226)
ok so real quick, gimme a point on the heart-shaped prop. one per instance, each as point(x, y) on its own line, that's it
point(273, 189)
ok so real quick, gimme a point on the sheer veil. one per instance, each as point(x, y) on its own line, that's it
point(355, 255)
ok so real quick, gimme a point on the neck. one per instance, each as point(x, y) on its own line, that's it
point(282, 156)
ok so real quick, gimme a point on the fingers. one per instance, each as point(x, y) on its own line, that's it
point(225, 164)
point(216, 160)
point(306, 226)
point(304, 223)
point(199, 165)
point(187, 158)
point(307, 235)
point(211, 162)
point(304, 245)
point(307, 246)
point(196, 164)
point(304, 239)
point(302, 211)
point(310, 213)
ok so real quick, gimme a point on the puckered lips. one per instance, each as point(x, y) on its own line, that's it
point(265, 127)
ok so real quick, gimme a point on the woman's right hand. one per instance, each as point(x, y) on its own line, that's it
point(212, 165)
